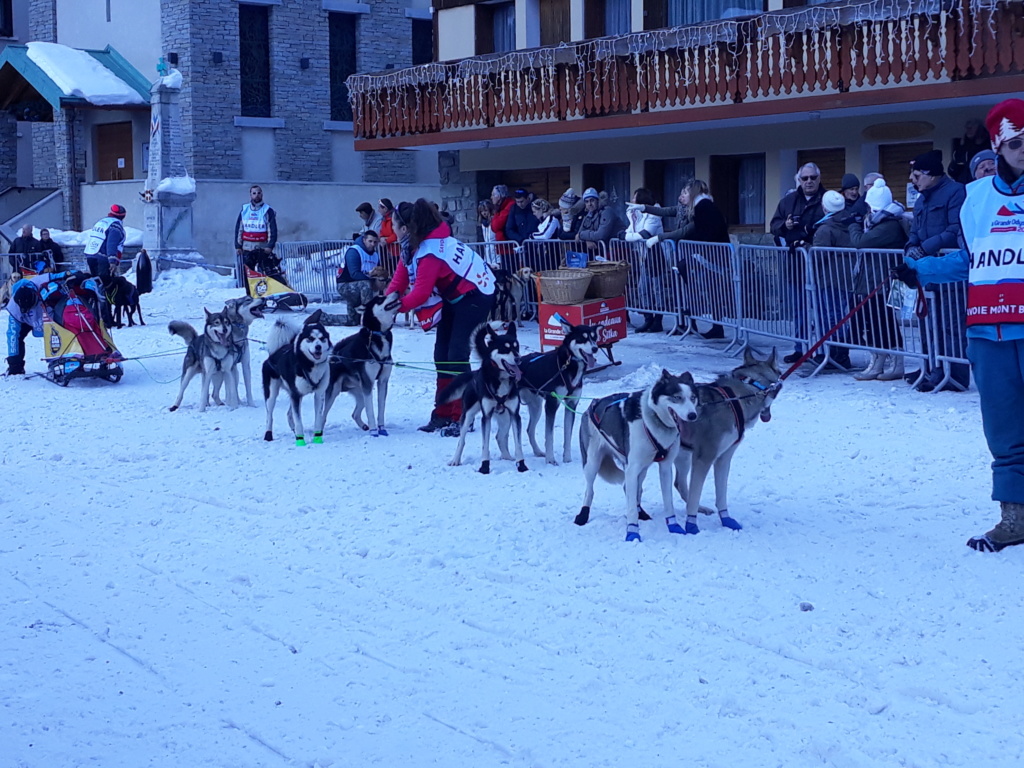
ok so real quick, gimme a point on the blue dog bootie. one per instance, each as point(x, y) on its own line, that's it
point(728, 522)
point(633, 532)
point(673, 525)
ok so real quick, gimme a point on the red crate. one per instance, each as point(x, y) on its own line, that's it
point(609, 314)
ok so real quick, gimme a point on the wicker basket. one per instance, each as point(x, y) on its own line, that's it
point(563, 286)
point(609, 279)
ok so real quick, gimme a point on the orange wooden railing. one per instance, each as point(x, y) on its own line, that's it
point(811, 51)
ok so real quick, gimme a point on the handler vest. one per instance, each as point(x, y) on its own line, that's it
point(463, 261)
point(368, 262)
point(98, 235)
point(993, 227)
point(255, 228)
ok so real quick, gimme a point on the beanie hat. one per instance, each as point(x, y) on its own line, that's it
point(589, 193)
point(26, 298)
point(833, 202)
point(978, 159)
point(850, 181)
point(569, 198)
point(879, 196)
point(1005, 121)
point(930, 163)
point(118, 211)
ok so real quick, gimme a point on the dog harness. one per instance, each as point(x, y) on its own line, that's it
point(495, 396)
point(737, 409)
point(660, 451)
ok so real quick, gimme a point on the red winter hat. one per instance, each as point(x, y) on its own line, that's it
point(1005, 121)
point(118, 211)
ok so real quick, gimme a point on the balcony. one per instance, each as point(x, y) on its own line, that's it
point(860, 54)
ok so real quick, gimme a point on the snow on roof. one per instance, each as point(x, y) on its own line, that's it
point(77, 73)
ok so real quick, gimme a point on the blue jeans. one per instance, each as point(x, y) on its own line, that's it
point(999, 375)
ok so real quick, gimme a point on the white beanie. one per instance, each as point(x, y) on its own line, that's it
point(833, 202)
point(879, 196)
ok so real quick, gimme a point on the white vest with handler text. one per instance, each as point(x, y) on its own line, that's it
point(993, 226)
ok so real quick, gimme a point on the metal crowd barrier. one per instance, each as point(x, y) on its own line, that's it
point(947, 305)
point(654, 287)
point(773, 291)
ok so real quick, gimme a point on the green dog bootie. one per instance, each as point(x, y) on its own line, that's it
point(300, 440)
point(318, 438)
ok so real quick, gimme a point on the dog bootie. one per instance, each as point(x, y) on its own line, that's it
point(673, 525)
point(691, 525)
point(1009, 531)
point(318, 438)
point(727, 521)
point(633, 532)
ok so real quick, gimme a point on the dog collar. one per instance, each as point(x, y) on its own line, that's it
point(766, 389)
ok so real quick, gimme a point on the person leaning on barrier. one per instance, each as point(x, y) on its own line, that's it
point(642, 226)
point(54, 252)
point(850, 190)
point(23, 249)
point(876, 324)
point(521, 222)
point(548, 220)
point(600, 222)
point(836, 280)
point(995, 313)
point(256, 234)
point(794, 219)
point(570, 210)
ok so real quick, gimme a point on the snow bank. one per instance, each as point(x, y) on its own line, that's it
point(173, 80)
point(177, 185)
point(70, 237)
point(77, 73)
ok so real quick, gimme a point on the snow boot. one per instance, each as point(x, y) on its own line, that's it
point(793, 356)
point(1009, 531)
point(15, 366)
point(874, 370)
point(656, 326)
point(894, 372)
point(716, 332)
point(648, 322)
point(442, 415)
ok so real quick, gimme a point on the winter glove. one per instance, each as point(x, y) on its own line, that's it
point(630, 207)
point(914, 252)
point(652, 241)
point(632, 237)
point(907, 275)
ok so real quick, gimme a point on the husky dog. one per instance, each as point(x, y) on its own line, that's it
point(362, 359)
point(213, 354)
point(622, 435)
point(123, 297)
point(492, 391)
point(729, 407)
point(299, 363)
point(241, 314)
point(553, 376)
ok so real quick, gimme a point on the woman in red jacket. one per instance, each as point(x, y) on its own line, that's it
point(451, 288)
point(386, 210)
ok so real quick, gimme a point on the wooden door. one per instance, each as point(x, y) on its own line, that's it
point(554, 22)
point(114, 160)
point(832, 163)
point(894, 165)
point(545, 183)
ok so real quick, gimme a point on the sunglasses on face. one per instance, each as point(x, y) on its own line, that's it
point(809, 178)
point(1014, 144)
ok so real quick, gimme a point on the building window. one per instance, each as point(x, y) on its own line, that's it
point(254, 59)
point(495, 27)
point(554, 22)
point(6, 18)
point(341, 30)
point(603, 18)
point(613, 179)
point(737, 184)
point(422, 41)
point(665, 178)
point(676, 13)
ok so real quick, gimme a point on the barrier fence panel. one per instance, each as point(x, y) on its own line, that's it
point(832, 275)
point(334, 259)
point(303, 266)
point(773, 293)
point(709, 276)
point(947, 317)
point(653, 287)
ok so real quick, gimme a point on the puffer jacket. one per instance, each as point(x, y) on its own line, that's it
point(937, 217)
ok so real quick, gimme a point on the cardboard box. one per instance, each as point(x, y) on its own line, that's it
point(608, 314)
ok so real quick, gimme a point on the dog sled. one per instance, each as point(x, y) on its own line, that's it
point(273, 288)
point(76, 344)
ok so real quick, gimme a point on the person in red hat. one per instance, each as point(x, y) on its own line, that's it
point(104, 244)
point(992, 218)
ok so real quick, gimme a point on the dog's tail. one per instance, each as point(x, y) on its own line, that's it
point(455, 389)
point(183, 329)
point(282, 333)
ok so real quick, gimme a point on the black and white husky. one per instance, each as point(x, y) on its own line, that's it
point(364, 359)
point(729, 406)
point(492, 392)
point(242, 313)
point(552, 377)
point(623, 435)
point(213, 354)
point(299, 363)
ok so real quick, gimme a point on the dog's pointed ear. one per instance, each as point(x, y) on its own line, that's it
point(772, 357)
point(748, 356)
point(687, 378)
point(665, 374)
point(208, 314)
point(314, 318)
point(512, 330)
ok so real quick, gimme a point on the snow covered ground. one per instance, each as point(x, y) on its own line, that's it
point(177, 592)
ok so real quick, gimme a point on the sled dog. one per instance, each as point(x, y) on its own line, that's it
point(123, 297)
point(299, 363)
point(212, 354)
point(552, 377)
point(730, 405)
point(364, 359)
point(492, 391)
point(623, 435)
point(241, 314)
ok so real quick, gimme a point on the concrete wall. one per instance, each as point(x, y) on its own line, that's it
point(133, 29)
point(305, 211)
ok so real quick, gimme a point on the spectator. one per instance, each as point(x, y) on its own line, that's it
point(52, 247)
point(983, 164)
point(372, 220)
point(485, 212)
point(641, 227)
point(24, 247)
point(700, 222)
point(936, 227)
point(570, 208)
point(831, 230)
point(793, 226)
point(547, 220)
point(850, 190)
point(996, 337)
point(355, 283)
point(600, 222)
point(876, 324)
point(386, 209)
point(502, 207)
point(105, 245)
point(799, 210)
point(975, 139)
point(521, 222)
point(451, 288)
point(869, 181)
point(835, 283)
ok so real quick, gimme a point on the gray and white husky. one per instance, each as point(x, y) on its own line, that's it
point(729, 406)
point(299, 363)
point(363, 360)
point(624, 434)
point(241, 314)
point(213, 354)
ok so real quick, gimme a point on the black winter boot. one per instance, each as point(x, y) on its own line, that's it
point(646, 326)
point(15, 366)
point(656, 326)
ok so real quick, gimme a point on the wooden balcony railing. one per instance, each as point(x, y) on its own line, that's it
point(784, 55)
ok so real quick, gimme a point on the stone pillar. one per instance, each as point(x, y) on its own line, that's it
point(42, 20)
point(69, 147)
point(458, 196)
point(170, 191)
point(8, 150)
